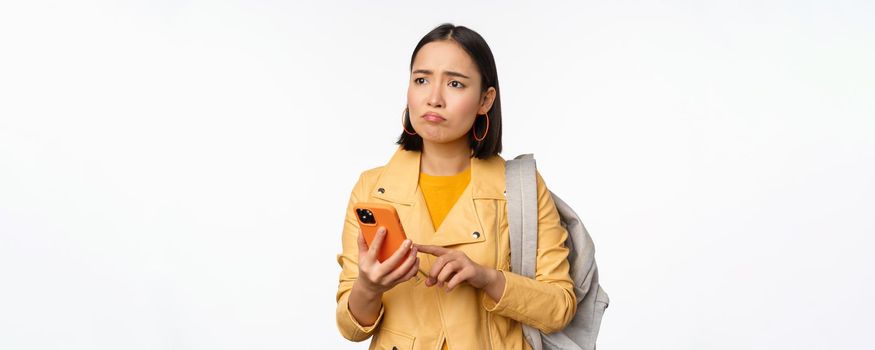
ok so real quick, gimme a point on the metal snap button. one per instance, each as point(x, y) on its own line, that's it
point(381, 190)
point(475, 234)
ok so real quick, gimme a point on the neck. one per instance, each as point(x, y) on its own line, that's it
point(444, 159)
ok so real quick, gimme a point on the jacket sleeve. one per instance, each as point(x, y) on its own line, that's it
point(546, 302)
point(348, 260)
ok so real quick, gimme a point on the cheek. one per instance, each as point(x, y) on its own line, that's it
point(465, 106)
point(411, 94)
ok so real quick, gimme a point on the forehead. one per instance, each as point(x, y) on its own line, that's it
point(445, 55)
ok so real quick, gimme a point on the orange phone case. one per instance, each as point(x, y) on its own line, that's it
point(386, 216)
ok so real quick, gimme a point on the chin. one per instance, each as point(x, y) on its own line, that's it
point(441, 140)
point(434, 134)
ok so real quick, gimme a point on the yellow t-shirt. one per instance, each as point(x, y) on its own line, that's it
point(441, 193)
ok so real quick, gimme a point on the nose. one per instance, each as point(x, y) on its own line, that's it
point(435, 96)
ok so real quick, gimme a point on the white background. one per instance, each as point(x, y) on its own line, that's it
point(174, 174)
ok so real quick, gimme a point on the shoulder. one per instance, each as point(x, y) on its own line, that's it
point(541, 183)
point(544, 193)
point(364, 183)
point(370, 176)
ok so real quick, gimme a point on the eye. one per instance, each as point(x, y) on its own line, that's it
point(457, 84)
point(416, 80)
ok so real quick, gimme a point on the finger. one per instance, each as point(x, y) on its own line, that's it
point(404, 268)
point(364, 259)
point(413, 270)
point(436, 269)
point(377, 242)
point(447, 272)
point(460, 277)
point(433, 249)
point(392, 262)
point(363, 246)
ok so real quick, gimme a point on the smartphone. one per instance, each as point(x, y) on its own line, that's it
point(373, 215)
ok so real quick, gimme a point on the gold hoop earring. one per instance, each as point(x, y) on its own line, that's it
point(403, 113)
point(484, 133)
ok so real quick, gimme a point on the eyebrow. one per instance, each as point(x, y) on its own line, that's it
point(449, 73)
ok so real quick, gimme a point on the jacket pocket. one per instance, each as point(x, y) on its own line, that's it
point(388, 339)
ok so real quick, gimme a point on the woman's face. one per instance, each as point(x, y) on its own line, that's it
point(444, 95)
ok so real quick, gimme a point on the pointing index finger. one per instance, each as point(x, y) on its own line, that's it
point(432, 249)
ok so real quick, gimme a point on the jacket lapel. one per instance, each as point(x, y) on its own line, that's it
point(399, 179)
point(399, 184)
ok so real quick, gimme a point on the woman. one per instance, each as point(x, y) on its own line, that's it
point(446, 180)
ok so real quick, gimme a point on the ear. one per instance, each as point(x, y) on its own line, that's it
point(486, 100)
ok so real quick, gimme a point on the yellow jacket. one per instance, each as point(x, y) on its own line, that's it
point(414, 316)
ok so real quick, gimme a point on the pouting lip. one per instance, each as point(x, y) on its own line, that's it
point(433, 114)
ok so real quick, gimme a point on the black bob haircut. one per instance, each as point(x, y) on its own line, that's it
point(476, 47)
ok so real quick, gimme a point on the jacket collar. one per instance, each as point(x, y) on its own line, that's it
point(400, 178)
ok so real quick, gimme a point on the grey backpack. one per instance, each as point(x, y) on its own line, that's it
point(522, 211)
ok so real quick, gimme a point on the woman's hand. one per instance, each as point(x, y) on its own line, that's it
point(453, 267)
point(375, 277)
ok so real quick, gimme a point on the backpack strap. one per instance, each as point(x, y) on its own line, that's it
point(522, 214)
point(522, 210)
